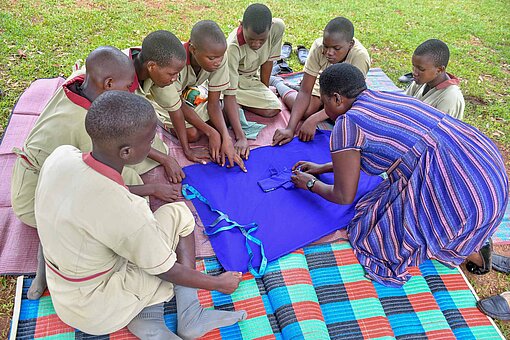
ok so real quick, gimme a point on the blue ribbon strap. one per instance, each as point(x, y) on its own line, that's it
point(189, 193)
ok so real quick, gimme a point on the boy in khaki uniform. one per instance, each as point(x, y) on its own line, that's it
point(337, 45)
point(432, 84)
point(134, 260)
point(158, 64)
point(206, 66)
point(252, 48)
point(62, 122)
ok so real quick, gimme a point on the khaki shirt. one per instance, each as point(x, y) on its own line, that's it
point(61, 122)
point(163, 99)
point(216, 81)
point(446, 97)
point(243, 61)
point(103, 246)
point(316, 62)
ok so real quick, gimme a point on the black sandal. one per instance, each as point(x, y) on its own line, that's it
point(486, 254)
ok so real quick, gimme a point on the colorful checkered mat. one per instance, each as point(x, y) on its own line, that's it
point(376, 80)
point(317, 292)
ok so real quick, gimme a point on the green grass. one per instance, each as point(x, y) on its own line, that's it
point(41, 39)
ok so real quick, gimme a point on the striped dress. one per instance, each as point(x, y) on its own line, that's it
point(446, 190)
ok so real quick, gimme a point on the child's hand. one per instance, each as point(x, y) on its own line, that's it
point(215, 146)
point(242, 148)
point(227, 151)
point(282, 136)
point(173, 170)
point(307, 131)
point(228, 282)
point(166, 192)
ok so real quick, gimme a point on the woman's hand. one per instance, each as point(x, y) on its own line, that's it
point(309, 167)
point(301, 178)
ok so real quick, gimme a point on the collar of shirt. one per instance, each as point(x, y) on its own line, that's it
point(452, 81)
point(75, 97)
point(188, 55)
point(103, 169)
point(240, 36)
point(136, 83)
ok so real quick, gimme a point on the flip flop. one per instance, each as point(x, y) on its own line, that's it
point(406, 78)
point(501, 263)
point(302, 54)
point(286, 50)
point(495, 306)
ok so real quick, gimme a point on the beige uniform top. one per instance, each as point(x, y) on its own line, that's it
point(446, 96)
point(163, 99)
point(244, 65)
point(316, 62)
point(62, 122)
point(214, 81)
point(103, 246)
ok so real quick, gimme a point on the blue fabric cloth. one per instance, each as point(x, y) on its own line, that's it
point(278, 179)
point(286, 219)
point(446, 190)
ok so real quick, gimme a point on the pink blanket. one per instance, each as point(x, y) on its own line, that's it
point(19, 242)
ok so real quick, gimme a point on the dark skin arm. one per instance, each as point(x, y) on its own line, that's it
point(265, 72)
point(179, 124)
point(214, 137)
point(218, 121)
point(346, 169)
point(183, 272)
point(283, 136)
point(231, 109)
point(307, 131)
point(165, 192)
point(172, 168)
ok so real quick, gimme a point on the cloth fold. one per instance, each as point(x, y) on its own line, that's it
point(251, 129)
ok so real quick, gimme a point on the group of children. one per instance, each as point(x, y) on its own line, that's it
point(77, 177)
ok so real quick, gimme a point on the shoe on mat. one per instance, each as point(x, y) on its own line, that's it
point(286, 50)
point(501, 263)
point(406, 78)
point(302, 54)
point(496, 306)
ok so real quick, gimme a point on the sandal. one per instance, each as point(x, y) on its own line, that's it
point(486, 254)
point(302, 54)
point(286, 50)
point(406, 78)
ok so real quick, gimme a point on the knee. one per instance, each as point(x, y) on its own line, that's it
point(193, 134)
point(270, 113)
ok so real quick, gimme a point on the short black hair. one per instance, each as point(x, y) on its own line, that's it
point(342, 26)
point(207, 31)
point(344, 79)
point(162, 47)
point(107, 61)
point(258, 18)
point(435, 48)
point(115, 116)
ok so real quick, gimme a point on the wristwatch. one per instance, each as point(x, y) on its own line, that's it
point(311, 183)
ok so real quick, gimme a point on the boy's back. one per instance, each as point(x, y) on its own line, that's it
point(96, 237)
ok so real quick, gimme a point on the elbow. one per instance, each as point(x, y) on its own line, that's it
point(344, 199)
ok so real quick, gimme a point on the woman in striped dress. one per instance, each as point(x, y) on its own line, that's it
point(446, 190)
